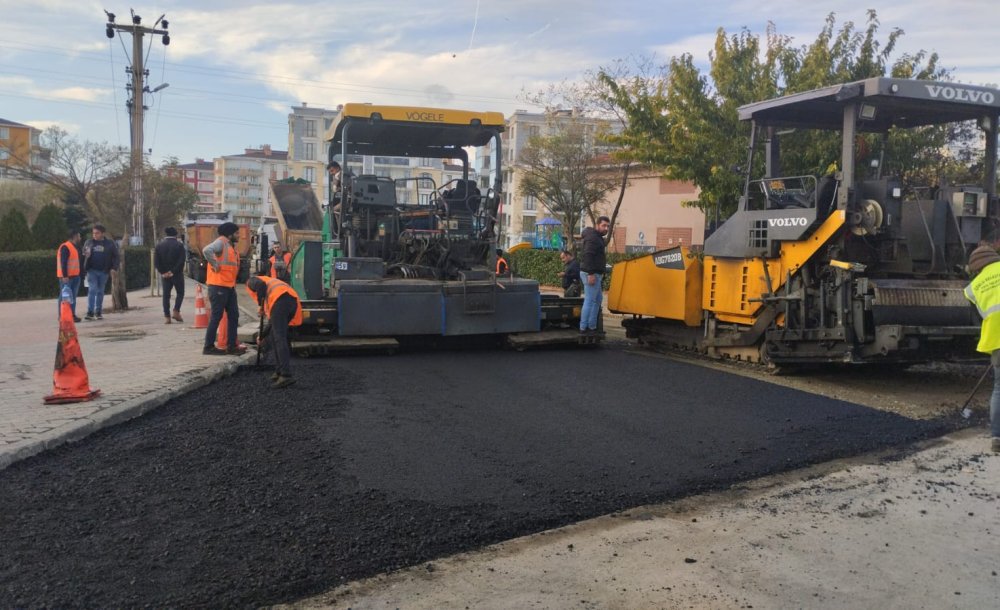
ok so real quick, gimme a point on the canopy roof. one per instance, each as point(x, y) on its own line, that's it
point(895, 102)
point(411, 131)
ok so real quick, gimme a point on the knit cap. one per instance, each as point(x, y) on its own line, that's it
point(981, 257)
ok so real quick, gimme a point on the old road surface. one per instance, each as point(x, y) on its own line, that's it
point(238, 496)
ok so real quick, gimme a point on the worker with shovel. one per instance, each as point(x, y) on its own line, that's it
point(279, 302)
point(984, 292)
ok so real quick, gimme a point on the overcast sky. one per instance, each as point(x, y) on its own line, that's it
point(236, 67)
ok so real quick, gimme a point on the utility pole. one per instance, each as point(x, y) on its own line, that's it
point(136, 89)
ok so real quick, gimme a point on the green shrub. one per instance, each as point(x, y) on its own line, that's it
point(544, 265)
point(32, 274)
point(49, 229)
point(14, 233)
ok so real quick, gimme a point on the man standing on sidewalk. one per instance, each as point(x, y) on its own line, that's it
point(280, 303)
point(223, 267)
point(592, 264)
point(169, 258)
point(68, 268)
point(984, 292)
point(100, 258)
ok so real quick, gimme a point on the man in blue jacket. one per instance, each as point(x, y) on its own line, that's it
point(100, 259)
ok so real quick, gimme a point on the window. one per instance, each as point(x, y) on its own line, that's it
point(4, 155)
point(425, 199)
point(310, 154)
point(309, 174)
point(310, 129)
point(4, 133)
point(529, 202)
point(534, 130)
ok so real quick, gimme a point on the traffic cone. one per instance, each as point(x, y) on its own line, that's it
point(200, 313)
point(222, 335)
point(70, 382)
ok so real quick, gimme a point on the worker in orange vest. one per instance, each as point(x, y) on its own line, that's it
point(281, 263)
point(280, 303)
point(223, 267)
point(68, 268)
point(502, 266)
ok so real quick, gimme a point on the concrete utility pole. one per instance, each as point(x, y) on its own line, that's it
point(136, 89)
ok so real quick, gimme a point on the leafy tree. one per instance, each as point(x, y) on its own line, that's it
point(49, 229)
point(14, 233)
point(687, 122)
point(564, 172)
point(598, 95)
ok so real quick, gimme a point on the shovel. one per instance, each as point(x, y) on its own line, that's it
point(966, 411)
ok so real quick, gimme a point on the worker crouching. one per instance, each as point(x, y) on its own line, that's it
point(280, 303)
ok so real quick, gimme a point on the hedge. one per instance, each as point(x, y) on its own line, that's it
point(32, 275)
point(544, 265)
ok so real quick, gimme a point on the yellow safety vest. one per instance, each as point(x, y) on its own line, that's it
point(984, 293)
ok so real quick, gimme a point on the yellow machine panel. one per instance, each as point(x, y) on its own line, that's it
point(665, 284)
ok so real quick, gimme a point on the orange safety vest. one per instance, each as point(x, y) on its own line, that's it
point(502, 266)
point(275, 289)
point(72, 262)
point(229, 267)
point(287, 256)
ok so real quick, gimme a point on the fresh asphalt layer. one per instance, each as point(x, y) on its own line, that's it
point(237, 496)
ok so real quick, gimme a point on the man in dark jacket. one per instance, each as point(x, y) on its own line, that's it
point(169, 258)
point(592, 264)
point(100, 258)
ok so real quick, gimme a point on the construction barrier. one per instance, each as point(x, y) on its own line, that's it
point(70, 382)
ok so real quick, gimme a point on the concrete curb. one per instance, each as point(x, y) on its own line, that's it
point(170, 388)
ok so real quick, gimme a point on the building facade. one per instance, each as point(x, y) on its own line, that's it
point(520, 214)
point(652, 215)
point(20, 148)
point(241, 183)
point(307, 147)
point(200, 176)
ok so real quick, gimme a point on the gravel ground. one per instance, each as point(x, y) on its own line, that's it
point(237, 496)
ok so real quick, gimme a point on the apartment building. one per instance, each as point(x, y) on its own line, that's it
point(651, 215)
point(20, 146)
point(520, 215)
point(200, 176)
point(241, 183)
point(307, 148)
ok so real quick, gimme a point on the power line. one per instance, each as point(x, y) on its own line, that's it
point(247, 76)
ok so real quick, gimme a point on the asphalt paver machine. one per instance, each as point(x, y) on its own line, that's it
point(404, 258)
point(854, 266)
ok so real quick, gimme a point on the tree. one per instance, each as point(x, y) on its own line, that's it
point(49, 229)
point(14, 233)
point(604, 94)
point(564, 171)
point(688, 123)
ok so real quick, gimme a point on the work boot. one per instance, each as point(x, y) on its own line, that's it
point(89, 316)
point(99, 316)
point(177, 316)
point(282, 382)
point(166, 320)
point(213, 351)
point(275, 376)
point(996, 444)
point(76, 319)
point(239, 350)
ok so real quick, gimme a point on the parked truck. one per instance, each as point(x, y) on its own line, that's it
point(201, 229)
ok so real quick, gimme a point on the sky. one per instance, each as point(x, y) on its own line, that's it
point(235, 68)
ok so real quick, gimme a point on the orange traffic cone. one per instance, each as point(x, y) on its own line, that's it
point(200, 312)
point(70, 382)
point(222, 335)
